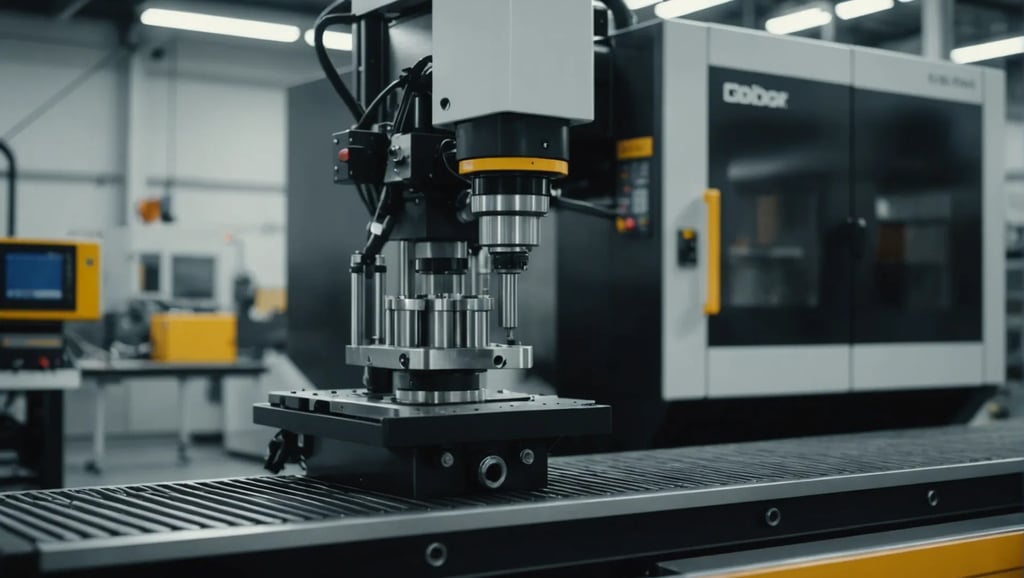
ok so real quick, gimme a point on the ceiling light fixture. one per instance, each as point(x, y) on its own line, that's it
point(637, 4)
point(198, 22)
point(856, 8)
point(677, 8)
point(799, 20)
point(332, 40)
point(988, 50)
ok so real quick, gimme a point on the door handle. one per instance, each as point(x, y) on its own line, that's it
point(713, 301)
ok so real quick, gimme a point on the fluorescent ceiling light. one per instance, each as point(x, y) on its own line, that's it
point(637, 4)
point(332, 40)
point(799, 20)
point(988, 50)
point(198, 22)
point(856, 8)
point(677, 8)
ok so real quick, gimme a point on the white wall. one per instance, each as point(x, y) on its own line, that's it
point(220, 105)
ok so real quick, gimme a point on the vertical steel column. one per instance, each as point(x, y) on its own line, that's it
point(370, 58)
point(936, 28)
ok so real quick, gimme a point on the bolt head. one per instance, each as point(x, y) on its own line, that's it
point(526, 456)
point(447, 460)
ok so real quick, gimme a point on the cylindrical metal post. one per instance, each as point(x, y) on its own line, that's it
point(358, 321)
point(379, 282)
point(477, 328)
point(473, 275)
point(407, 328)
point(406, 270)
point(509, 304)
point(442, 329)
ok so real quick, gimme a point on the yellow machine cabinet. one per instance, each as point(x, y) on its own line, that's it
point(194, 337)
point(49, 280)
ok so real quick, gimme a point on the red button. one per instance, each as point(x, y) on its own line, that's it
point(343, 155)
point(44, 362)
point(630, 223)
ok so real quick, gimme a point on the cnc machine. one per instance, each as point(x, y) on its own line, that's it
point(413, 467)
point(458, 177)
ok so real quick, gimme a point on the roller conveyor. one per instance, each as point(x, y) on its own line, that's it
point(626, 506)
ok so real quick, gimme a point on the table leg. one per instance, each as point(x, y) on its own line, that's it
point(45, 425)
point(184, 435)
point(99, 428)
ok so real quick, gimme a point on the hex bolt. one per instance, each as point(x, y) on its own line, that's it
point(447, 460)
point(526, 456)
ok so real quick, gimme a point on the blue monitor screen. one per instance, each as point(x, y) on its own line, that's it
point(34, 276)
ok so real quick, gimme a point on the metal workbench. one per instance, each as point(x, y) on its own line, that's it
point(625, 511)
point(101, 374)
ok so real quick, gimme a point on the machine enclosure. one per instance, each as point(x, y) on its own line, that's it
point(490, 56)
point(860, 266)
point(194, 337)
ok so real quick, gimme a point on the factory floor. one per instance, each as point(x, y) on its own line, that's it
point(145, 460)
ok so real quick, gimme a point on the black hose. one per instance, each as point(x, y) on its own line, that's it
point(624, 17)
point(367, 117)
point(330, 72)
point(12, 179)
point(583, 207)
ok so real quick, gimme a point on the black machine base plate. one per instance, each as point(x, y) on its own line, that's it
point(425, 451)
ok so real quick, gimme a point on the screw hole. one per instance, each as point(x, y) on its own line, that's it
point(933, 498)
point(498, 361)
point(436, 554)
point(773, 517)
point(446, 103)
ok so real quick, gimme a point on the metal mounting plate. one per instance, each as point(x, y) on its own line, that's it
point(352, 415)
point(495, 356)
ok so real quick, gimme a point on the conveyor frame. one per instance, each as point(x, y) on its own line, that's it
point(633, 508)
